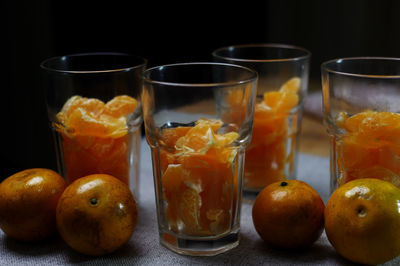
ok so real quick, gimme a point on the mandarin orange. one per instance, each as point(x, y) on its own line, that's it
point(28, 201)
point(96, 214)
point(362, 221)
point(289, 214)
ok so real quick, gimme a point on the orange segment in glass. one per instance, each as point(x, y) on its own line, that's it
point(198, 180)
point(266, 155)
point(95, 136)
point(369, 147)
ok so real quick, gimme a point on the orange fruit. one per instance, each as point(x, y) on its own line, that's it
point(370, 146)
point(266, 155)
point(95, 137)
point(28, 201)
point(96, 214)
point(289, 214)
point(199, 180)
point(362, 221)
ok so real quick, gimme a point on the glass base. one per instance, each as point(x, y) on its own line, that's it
point(200, 246)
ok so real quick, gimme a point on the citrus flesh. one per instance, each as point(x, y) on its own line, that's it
point(95, 137)
point(266, 155)
point(199, 178)
point(370, 147)
point(362, 221)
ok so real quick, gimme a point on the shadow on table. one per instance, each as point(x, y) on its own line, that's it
point(46, 247)
point(126, 251)
point(318, 253)
point(259, 253)
point(51, 248)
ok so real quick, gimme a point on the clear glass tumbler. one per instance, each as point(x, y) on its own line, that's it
point(198, 119)
point(361, 99)
point(282, 85)
point(94, 108)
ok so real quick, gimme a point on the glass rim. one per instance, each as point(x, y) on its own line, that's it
point(325, 67)
point(253, 75)
point(265, 45)
point(111, 70)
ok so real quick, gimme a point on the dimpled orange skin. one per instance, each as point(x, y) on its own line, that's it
point(96, 214)
point(28, 201)
point(289, 214)
point(362, 221)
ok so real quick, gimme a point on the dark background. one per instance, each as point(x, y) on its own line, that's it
point(165, 32)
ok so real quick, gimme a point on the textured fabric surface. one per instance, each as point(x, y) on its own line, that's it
point(144, 247)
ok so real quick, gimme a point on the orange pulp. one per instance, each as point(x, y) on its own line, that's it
point(199, 178)
point(266, 155)
point(95, 138)
point(370, 147)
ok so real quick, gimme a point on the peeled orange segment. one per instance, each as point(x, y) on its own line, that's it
point(95, 136)
point(81, 122)
point(355, 154)
point(267, 155)
point(379, 125)
point(121, 106)
point(212, 123)
point(183, 199)
point(273, 99)
point(235, 107)
point(166, 158)
point(226, 139)
point(264, 168)
point(171, 135)
point(197, 139)
point(286, 98)
point(200, 137)
point(281, 102)
point(291, 86)
point(369, 147)
point(93, 106)
point(198, 177)
point(199, 194)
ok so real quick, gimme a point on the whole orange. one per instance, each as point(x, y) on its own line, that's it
point(289, 214)
point(362, 221)
point(96, 214)
point(28, 201)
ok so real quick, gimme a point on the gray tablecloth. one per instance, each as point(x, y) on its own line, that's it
point(144, 247)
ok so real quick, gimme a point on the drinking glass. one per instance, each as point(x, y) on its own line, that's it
point(198, 119)
point(283, 80)
point(94, 109)
point(361, 98)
